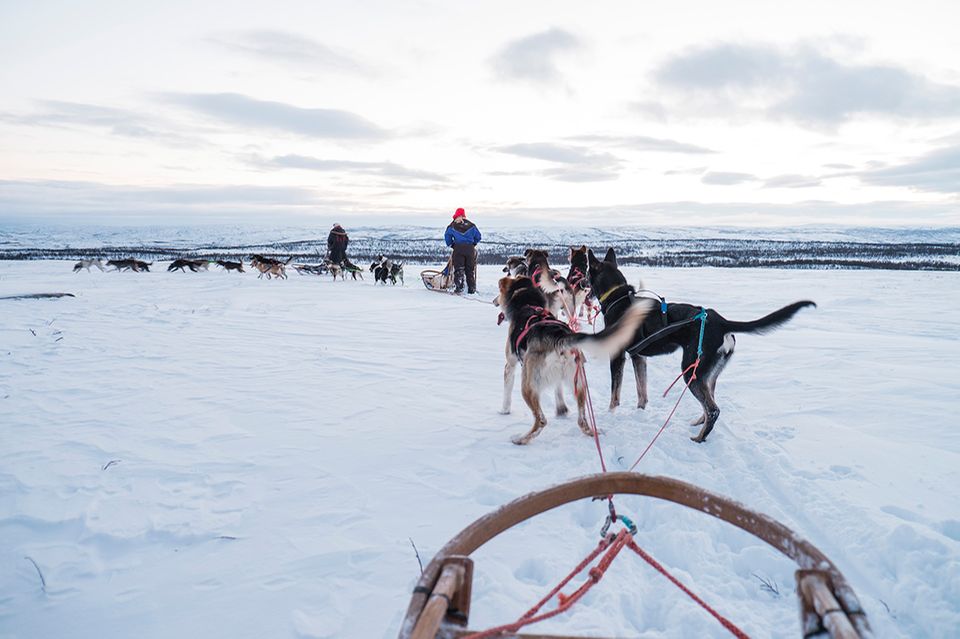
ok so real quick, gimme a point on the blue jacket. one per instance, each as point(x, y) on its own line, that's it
point(461, 231)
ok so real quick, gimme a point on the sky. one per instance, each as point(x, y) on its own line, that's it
point(685, 113)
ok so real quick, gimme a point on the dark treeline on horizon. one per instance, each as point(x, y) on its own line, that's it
point(744, 253)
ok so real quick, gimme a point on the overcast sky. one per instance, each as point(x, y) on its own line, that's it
point(742, 113)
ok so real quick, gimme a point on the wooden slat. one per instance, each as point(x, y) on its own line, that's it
point(815, 588)
point(436, 607)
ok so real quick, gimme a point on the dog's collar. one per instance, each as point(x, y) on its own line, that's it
point(603, 298)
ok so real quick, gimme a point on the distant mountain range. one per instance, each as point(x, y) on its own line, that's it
point(802, 247)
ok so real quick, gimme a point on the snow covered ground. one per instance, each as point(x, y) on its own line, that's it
point(187, 455)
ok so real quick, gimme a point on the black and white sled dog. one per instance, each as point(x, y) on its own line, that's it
point(86, 264)
point(385, 269)
point(183, 263)
point(550, 351)
point(396, 273)
point(129, 264)
point(681, 329)
point(231, 266)
point(550, 281)
point(516, 266)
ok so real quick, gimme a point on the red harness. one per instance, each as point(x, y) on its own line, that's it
point(576, 279)
point(539, 269)
point(541, 316)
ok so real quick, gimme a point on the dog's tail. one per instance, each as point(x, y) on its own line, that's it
point(545, 281)
point(612, 340)
point(768, 322)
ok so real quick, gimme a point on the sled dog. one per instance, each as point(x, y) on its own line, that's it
point(86, 264)
point(550, 351)
point(681, 330)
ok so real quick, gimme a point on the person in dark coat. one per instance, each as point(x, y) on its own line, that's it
point(337, 244)
point(463, 236)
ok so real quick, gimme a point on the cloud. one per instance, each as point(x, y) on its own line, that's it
point(937, 171)
point(242, 110)
point(696, 170)
point(564, 174)
point(55, 196)
point(580, 163)
point(383, 169)
point(291, 49)
point(111, 120)
point(31, 200)
point(533, 58)
point(791, 181)
point(802, 83)
point(644, 143)
point(726, 178)
point(566, 154)
point(649, 109)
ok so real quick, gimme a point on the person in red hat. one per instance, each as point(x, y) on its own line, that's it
point(462, 236)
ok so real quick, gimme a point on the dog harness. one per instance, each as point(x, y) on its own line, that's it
point(539, 269)
point(664, 320)
point(577, 279)
point(672, 328)
point(542, 316)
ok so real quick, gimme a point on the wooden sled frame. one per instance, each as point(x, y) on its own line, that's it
point(435, 280)
point(441, 599)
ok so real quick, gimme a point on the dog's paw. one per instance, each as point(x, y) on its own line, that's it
point(698, 439)
point(519, 440)
point(504, 411)
point(642, 403)
point(698, 420)
point(613, 405)
point(562, 410)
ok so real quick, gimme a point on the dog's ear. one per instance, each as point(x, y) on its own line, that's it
point(611, 256)
point(592, 259)
point(527, 252)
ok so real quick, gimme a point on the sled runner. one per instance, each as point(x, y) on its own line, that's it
point(439, 280)
point(440, 605)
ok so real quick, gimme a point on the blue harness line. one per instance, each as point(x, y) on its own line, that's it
point(702, 316)
point(672, 328)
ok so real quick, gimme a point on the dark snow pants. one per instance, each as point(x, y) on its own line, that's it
point(465, 266)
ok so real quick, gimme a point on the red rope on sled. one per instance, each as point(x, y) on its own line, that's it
point(726, 623)
point(612, 544)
